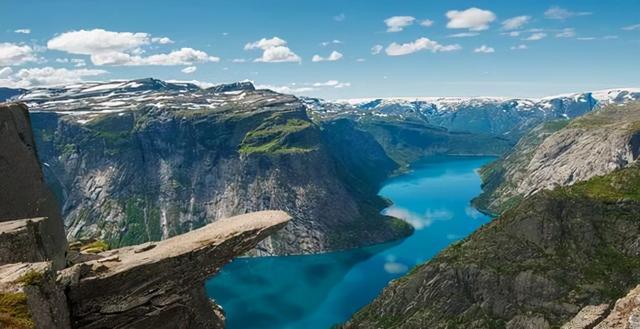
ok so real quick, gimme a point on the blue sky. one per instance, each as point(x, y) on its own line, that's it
point(381, 48)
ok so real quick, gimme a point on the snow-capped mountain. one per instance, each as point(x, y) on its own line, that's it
point(508, 117)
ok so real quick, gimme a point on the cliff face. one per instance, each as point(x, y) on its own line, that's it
point(535, 266)
point(562, 153)
point(155, 285)
point(24, 194)
point(149, 165)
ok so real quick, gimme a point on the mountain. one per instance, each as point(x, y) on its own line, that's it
point(143, 160)
point(561, 153)
point(508, 118)
point(558, 257)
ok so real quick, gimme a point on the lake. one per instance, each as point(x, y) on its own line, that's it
point(318, 291)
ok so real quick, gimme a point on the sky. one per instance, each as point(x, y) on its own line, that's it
point(331, 49)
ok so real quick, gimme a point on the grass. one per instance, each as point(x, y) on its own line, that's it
point(14, 312)
point(619, 185)
point(277, 137)
point(30, 278)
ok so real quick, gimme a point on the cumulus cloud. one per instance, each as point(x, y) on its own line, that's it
point(398, 23)
point(23, 31)
point(5, 72)
point(238, 60)
point(536, 36)
point(426, 23)
point(15, 54)
point(519, 47)
point(566, 33)
point(189, 69)
point(334, 56)
point(484, 49)
point(123, 48)
point(376, 49)
point(292, 89)
point(556, 12)
point(474, 19)
point(46, 76)
point(515, 22)
point(420, 44)
point(162, 40)
point(274, 50)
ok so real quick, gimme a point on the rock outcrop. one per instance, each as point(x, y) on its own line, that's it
point(23, 192)
point(155, 285)
point(562, 153)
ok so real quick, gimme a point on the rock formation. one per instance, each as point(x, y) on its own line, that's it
point(154, 285)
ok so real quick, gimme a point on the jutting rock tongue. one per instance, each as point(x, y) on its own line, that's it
point(24, 194)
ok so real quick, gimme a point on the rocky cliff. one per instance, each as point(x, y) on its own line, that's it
point(536, 266)
point(146, 160)
point(159, 285)
point(561, 153)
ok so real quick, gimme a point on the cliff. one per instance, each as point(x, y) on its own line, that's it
point(159, 285)
point(146, 160)
point(561, 153)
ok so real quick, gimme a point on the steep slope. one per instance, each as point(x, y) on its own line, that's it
point(535, 266)
point(144, 160)
point(561, 153)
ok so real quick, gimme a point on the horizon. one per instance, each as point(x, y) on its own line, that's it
point(356, 49)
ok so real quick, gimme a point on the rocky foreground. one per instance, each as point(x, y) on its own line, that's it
point(154, 285)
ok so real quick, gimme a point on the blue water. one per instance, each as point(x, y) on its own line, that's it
point(317, 291)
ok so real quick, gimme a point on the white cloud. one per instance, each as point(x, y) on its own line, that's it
point(183, 56)
point(335, 42)
point(515, 22)
point(586, 38)
point(426, 23)
point(360, 60)
point(398, 23)
point(463, 35)
point(566, 33)
point(5, 72)
point(484, 49)
point(376, 49)
point(162, 40)
point(632, 27)
point(15, 54)
point(23, 31)
point(274, 51)
point(332, 83)
point(556, 12)
point(519, 47)
point(238, 60)
point(474, 19)
point(46, 76)
point(123, 48)
point(536, 36)
point(334, 56)
point(189, 69)
point(286, 89)
point(340, 17)
point(395, 49)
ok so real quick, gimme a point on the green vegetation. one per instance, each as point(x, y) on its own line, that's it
point(142, 223)
point(14, 312)
point(278, 136)
point(31, 277)
point(620, 185)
